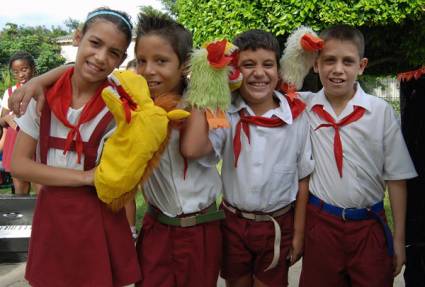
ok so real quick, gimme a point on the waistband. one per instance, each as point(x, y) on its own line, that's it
point(208, 214)
point(259, 217)
point(354, 214)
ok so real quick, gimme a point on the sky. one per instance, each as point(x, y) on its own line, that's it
point(48, 13)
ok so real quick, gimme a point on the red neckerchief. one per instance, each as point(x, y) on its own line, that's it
point(59, 99)
point(297, 107)
point(324, 115)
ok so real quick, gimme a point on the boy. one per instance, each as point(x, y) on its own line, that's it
point(266, 160)
point(359, 151)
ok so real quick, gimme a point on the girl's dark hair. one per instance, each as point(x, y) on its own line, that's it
point(119, 18)
point(22, 55)
point(179, 37)
point(258, 39)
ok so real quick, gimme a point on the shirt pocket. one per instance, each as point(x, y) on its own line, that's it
point(283, 177)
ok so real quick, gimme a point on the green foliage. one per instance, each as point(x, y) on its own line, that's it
point(38, 41)
point(170, 6)
point(394, 27)
point(6, 82)
point(151, 11)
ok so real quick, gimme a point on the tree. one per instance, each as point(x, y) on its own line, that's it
point(393, 28)
point(38, 41)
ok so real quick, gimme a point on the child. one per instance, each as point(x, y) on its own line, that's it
point(22, 66)
point(180, 240)
point(266, 161)
point(76, 240)
point(359, 151)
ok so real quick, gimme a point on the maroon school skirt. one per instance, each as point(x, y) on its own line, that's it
point(77, 241)
point(9, 143)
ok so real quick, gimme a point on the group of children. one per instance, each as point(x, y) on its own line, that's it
point(294, 182)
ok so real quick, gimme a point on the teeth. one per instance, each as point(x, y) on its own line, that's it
point(153, 84)
point(338, 81)
point(258, 84)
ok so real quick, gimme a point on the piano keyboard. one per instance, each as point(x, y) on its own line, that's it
point(15, 231)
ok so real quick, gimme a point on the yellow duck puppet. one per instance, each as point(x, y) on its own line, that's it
point(141, 135)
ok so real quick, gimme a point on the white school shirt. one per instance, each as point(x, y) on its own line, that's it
point(30, 124)
point(168, 190)
point(373, 151)
point(266, 178)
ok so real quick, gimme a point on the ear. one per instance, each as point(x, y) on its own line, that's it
point(363, 64)
point(77, 38)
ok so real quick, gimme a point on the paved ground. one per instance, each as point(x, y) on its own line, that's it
point(12, 275)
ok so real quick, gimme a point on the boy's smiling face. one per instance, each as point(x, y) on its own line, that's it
point(260, 77)
point(338, 65)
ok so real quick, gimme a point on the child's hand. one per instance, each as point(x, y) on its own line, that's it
point(296, 250)
point(21, 97)
point(399, 257)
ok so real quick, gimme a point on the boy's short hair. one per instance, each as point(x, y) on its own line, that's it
point(258, 39)
point(345, 33)
point(179, 38)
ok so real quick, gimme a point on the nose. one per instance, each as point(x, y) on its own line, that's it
point(149, 68)
point(258, 71)
point(101, 55)
point(338, 68)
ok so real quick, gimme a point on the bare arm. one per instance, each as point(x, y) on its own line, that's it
point(299, 220)
point(397, 193)
point(34, 88)
point(24, 167)
point(195, 142)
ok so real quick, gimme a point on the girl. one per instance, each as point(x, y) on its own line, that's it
point(180, 240)
point(22, 67)
point(76, 240)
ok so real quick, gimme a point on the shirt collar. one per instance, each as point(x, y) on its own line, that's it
point(359, 99)
point(283, 111)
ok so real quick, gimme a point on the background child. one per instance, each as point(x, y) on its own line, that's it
point(180, 240)
point(266, 161)
point(359, 151)
point(76, 240)
point(22, 67)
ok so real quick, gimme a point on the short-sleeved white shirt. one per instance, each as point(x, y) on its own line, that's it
point(29, 123)
point(373, 151)
point(173, 194)
point(266, 178)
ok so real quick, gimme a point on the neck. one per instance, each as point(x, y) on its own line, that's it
point(260, 109)
point(82, 91)
point(338, 103)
